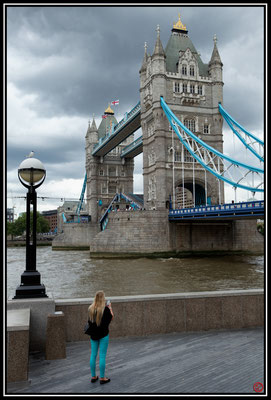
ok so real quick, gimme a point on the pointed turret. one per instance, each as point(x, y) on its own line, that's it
point(158, 70)
point(215, 59)
point(92, 132)
point(215, 71)
point(93, 126)
point(145, 59)
point(158, 49)
point(215, 64)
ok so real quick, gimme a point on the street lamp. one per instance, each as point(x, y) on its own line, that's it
point(31, 174)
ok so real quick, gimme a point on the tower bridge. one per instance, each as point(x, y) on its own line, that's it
point(181, 116)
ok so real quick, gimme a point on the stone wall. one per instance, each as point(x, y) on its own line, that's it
point(75, 235)
point(234, 235)
point(134, 232)
point(176, 312)
point(246, 236)
point(150, 233)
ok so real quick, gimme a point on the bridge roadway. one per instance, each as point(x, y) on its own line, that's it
point(251, 209)
point(230, 361)
point(126, 127)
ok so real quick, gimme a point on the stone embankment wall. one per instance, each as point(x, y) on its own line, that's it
point(150, 233)
point(246, 236)
point(75, 236)
point(133, 232)
point(176, 312)
point(234, 235)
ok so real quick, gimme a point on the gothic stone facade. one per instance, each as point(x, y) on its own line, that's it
point(192, 90)
point(106, 175)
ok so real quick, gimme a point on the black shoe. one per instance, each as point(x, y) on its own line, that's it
point(94, 379)
point(104, 381)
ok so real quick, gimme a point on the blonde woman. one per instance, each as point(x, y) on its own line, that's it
point(99, 316)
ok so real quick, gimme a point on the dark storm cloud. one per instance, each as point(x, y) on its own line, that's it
point(91, 55)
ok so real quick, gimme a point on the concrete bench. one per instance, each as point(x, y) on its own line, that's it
point(18, 324)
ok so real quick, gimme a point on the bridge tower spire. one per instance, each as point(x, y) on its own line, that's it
point(193, 90)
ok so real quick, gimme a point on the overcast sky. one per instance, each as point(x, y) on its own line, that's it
point(66, 63)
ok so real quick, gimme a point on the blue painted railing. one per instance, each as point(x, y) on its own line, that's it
point(104, 219)
point(136, 143)
point(80, 203)
point(245, 209)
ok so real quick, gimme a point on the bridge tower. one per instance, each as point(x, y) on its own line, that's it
point(192, 90)
point(105, 175)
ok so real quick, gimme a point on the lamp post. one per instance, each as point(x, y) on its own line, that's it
point(31, 173)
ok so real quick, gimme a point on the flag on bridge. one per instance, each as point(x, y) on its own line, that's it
point(115, 102)
point(104, 116)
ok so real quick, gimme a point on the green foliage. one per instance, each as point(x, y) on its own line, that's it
point(18, 227)
point(260, 227)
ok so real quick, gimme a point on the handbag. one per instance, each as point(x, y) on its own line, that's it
point(88, 328)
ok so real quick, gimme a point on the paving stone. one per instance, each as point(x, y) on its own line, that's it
point(229, 361)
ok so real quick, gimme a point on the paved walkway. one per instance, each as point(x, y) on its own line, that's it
point(203, 362)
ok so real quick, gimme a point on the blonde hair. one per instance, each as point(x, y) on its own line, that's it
point(96, 309)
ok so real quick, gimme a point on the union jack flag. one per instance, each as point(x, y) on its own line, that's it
point(104, 116)
point(113, 103)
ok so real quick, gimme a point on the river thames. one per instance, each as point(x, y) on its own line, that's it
point(74, 274)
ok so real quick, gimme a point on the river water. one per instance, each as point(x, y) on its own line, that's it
point(74, 274)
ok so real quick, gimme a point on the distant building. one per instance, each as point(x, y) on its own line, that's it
point(51, 217)
point(10, 214)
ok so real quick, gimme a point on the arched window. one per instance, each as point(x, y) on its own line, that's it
point(192, 70)
point(184, 69)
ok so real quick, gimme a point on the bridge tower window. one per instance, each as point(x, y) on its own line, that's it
point(190, 124)
point(185, 88)
point(178, 156)
point(184, 70)
point(200, 90)
point(192, 70)
point(176, 87)
point(206, 128)
point(192, 89)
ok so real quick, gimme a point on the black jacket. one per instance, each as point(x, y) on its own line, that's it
point(98, 332)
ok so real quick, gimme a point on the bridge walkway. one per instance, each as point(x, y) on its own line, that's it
point(229, 361)
point(126, 127)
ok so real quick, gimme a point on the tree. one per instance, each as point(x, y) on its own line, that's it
point(18, 227)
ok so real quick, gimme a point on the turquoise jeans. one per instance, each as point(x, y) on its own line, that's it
point(95, 345)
